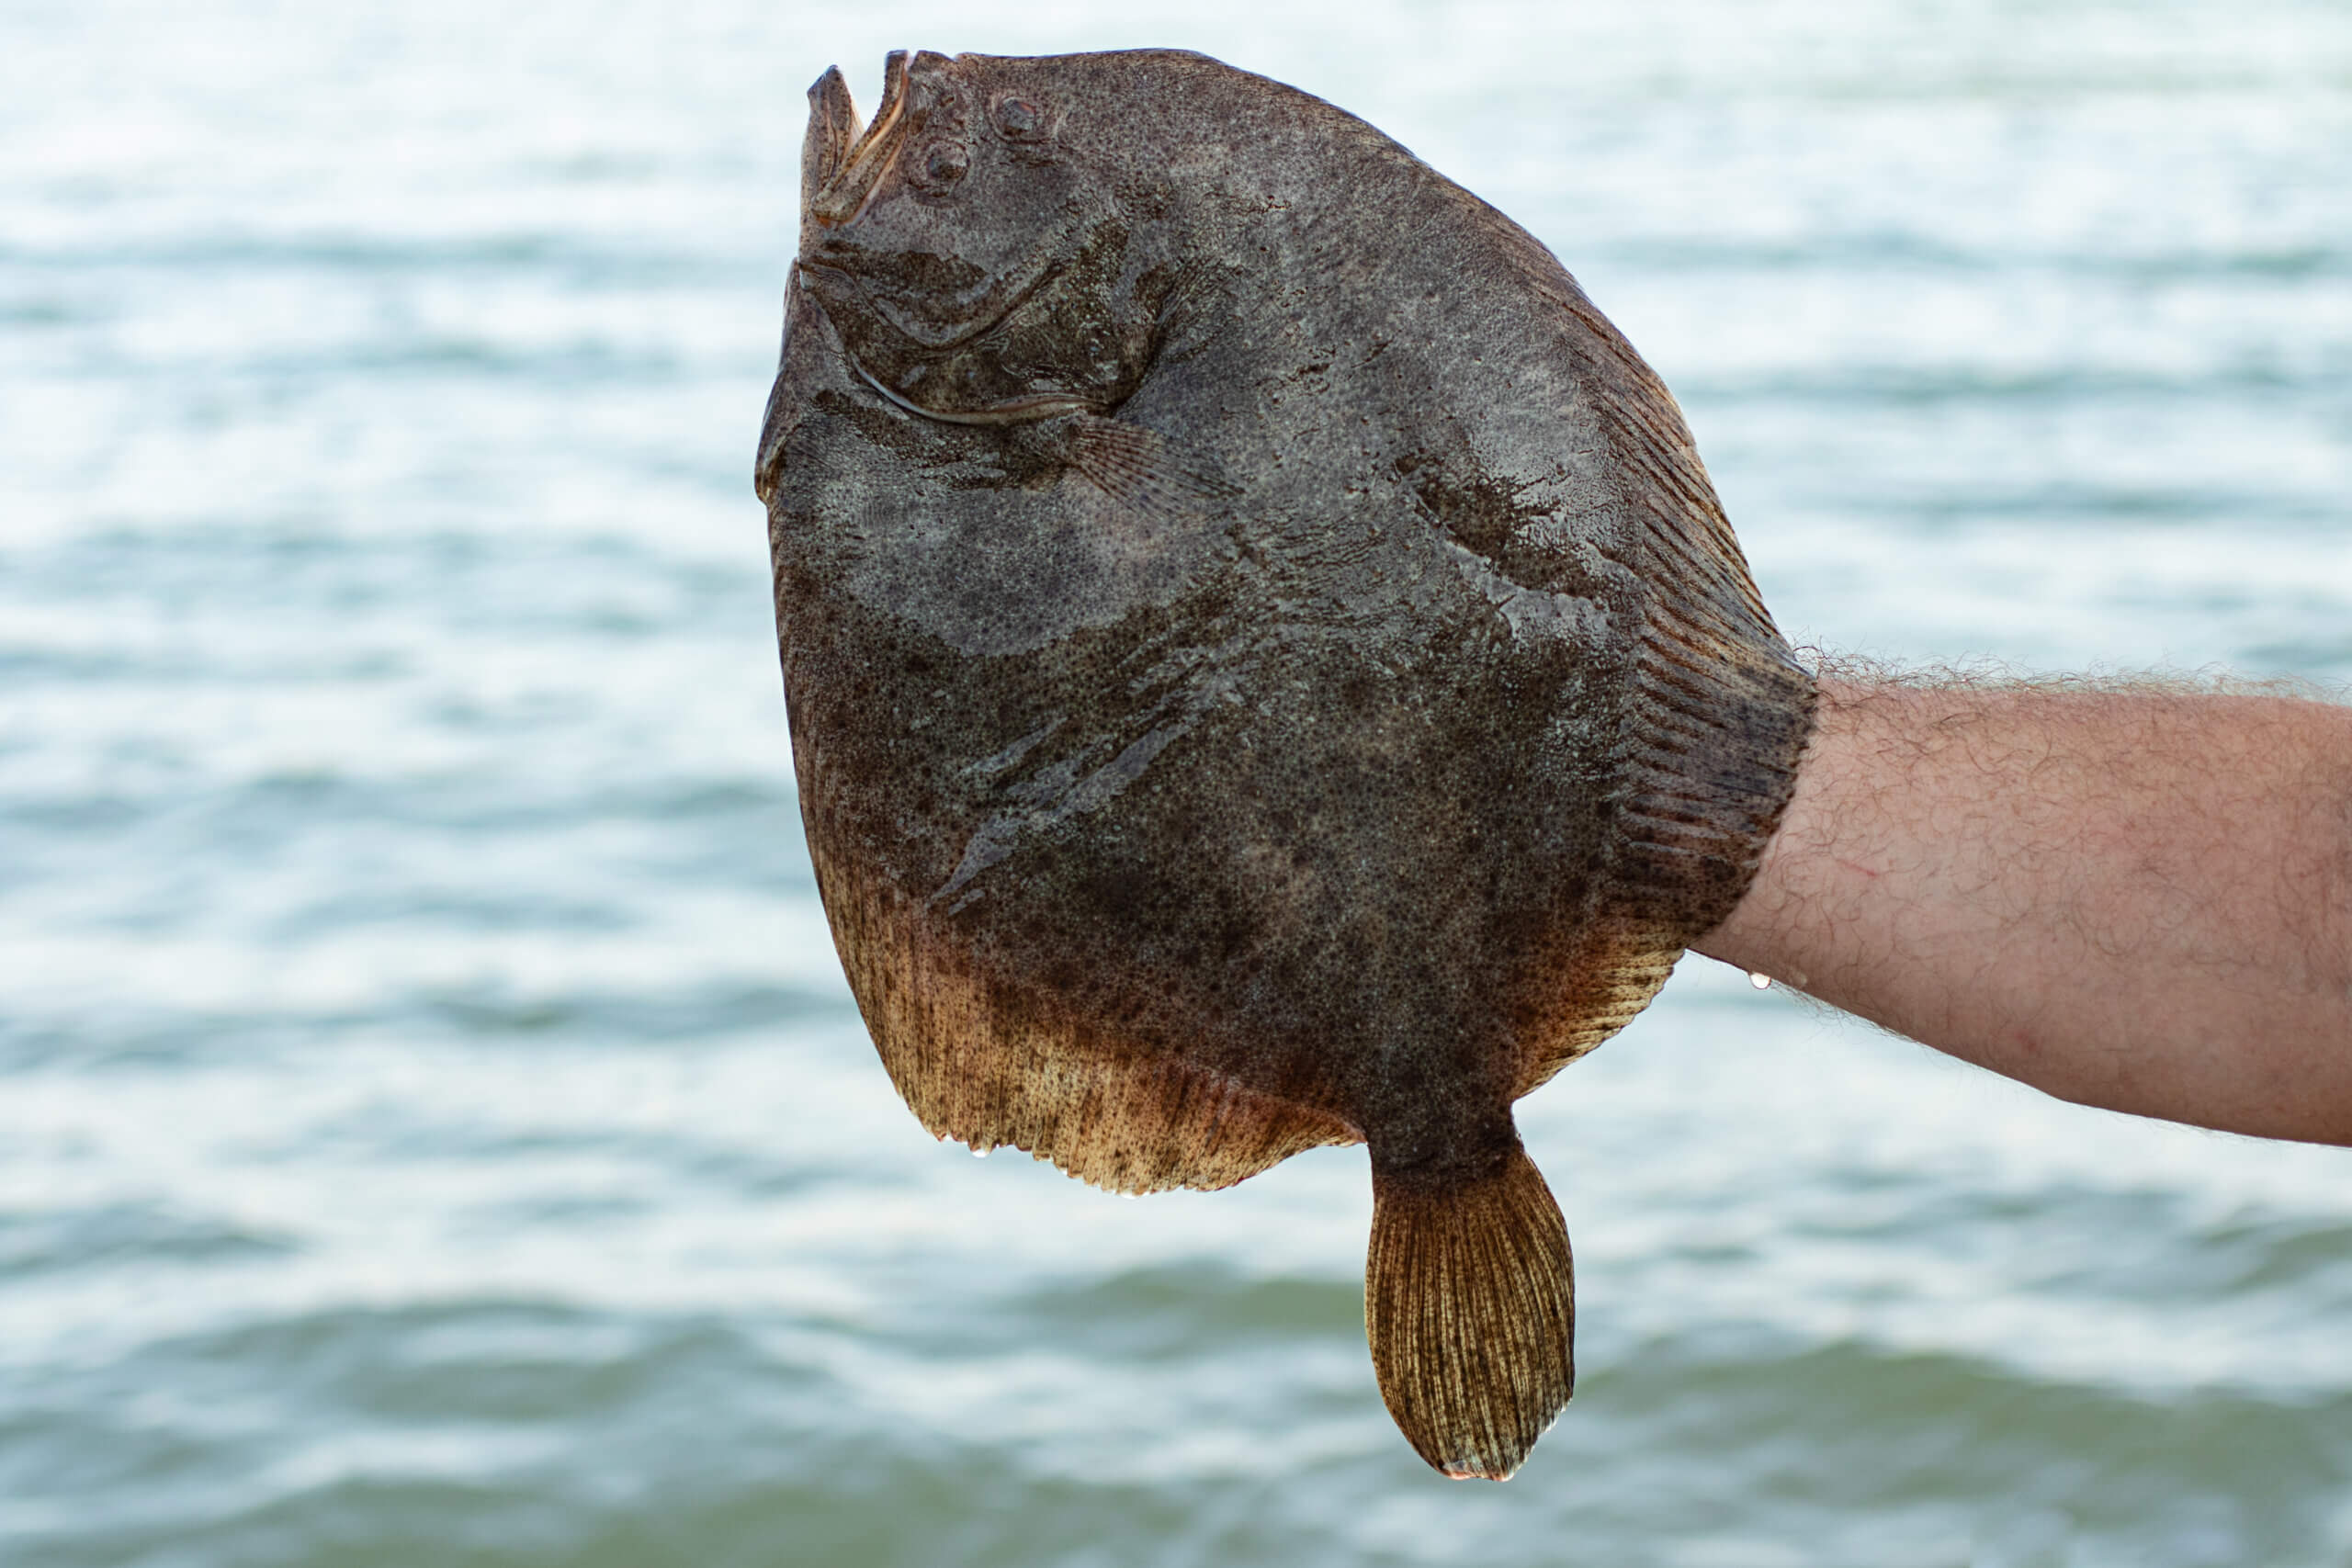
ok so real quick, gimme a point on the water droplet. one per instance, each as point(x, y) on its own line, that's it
point(1759, 980)
point(979, 1151)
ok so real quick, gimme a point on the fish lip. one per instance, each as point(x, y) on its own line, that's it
point(852, 183)
point(832, 136)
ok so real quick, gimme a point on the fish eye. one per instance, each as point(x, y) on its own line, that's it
point(941, 166)
point(1020, 119)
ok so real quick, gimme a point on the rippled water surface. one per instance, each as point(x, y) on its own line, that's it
point(433, 1130)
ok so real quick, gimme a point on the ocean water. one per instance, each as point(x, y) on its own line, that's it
point(433, 1126)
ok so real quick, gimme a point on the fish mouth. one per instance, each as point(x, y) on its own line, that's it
point(850, 175)
point(843, 169)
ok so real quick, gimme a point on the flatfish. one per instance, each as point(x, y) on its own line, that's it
point(1266, 666)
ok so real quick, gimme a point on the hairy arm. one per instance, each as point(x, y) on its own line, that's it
point(2137, 898)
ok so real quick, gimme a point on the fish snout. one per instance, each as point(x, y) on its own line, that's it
point(832, 132)
point(840, 170)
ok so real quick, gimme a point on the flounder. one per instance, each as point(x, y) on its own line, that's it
point(1266, 666)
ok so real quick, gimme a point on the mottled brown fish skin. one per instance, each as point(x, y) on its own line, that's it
point(1266, 665)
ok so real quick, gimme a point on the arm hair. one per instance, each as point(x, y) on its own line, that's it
point(2134, 894)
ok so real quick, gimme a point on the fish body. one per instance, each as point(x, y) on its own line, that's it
point(1266, 665)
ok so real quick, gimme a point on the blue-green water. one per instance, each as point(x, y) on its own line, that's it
point(434, 1130)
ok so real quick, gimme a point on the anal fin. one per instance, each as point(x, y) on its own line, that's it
point(1470, 1305)
point(995, 1065)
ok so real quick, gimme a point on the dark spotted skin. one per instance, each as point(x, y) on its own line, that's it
point(1266, 665)
point(1313, 776)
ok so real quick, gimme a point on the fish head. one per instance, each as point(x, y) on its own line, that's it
point(975, 262)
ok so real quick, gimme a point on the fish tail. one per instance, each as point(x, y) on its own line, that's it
point(1470, 1305)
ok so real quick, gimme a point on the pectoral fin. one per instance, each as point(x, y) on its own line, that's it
point(1141, 468)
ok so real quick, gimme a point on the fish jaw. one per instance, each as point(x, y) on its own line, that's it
point(832, 133)
point(953, 248)
point(852, 171)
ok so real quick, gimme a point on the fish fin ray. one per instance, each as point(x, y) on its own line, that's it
point(1719, 721)
point(994, 1067)
point(1470, 1306)
point(1616, 975)
point(1721, 711)
point(1143, 470)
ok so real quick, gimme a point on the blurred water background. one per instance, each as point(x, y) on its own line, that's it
point(433, 1130)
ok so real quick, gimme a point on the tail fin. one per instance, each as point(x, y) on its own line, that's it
point(1470, 1304)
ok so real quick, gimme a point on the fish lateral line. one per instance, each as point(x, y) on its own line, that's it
point(1133, 465)
point(1013, 410)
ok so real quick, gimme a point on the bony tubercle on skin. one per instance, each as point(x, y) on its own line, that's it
point(1007, 481)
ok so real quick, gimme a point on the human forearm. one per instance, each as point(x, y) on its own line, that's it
point(2139, 899)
